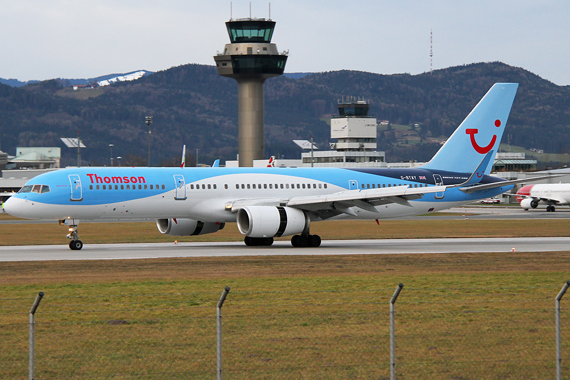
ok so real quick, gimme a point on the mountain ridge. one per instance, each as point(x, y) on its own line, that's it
point(193, 105)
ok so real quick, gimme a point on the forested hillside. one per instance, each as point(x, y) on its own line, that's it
point(192, 105)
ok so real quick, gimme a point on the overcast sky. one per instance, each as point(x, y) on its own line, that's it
point(44, 39)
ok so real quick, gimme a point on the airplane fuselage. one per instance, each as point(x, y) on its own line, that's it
point(208, 193)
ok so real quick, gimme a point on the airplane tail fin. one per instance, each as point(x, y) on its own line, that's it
point(478, 135)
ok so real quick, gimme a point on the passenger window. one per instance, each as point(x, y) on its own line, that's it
point(145, 187)
point(320, 185)
point(105, 187)
point(90, 187)
point(152, 187)
point(215, 187)
point(191, 187)
point(97, 187)
point(162, 187)
point(253, 185)
point(248, 186)
point(122, 187)
point(242, 186)
point(271, 186)
point(298, 186)
point(325, 185)
point(209, 186)
point(265, 186)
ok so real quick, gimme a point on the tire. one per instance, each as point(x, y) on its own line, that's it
point(314, 241)
point(75, 245)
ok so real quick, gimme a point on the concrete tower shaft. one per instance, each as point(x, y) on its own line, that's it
point(250, 59)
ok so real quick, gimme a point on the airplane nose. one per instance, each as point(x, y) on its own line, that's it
point(11, 206)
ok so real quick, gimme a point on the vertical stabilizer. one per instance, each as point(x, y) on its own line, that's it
point(479, 134)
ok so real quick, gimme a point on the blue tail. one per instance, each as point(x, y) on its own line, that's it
point(479, 134)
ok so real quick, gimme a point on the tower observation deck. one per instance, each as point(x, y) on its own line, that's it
point(250, 58)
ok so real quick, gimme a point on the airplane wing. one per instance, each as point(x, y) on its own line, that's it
point(364, 199)
point(472, 189)
point(342, 201)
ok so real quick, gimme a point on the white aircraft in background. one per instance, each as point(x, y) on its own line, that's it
point(551, 194)
point(273, 202)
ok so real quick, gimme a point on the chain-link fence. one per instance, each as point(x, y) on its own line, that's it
point(465, 333)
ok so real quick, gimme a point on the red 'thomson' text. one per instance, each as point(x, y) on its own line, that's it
point(126, 179)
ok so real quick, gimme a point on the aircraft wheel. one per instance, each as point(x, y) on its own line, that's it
point(295, 240)
point(552, 208)
point(250, 242)
point(75, 245)
point(315, 241)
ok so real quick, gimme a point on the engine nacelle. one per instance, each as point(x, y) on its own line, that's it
point(270, 221)
point(187, 227)
point(529, 203)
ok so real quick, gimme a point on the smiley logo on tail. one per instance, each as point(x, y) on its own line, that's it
point(482, 149)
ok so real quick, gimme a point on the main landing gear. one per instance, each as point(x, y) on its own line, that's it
point(550, 208)
point(258, 242)
point(303, 240)
point(306, 240)
point(75, 244)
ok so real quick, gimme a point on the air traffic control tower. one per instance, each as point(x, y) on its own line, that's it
point(250, 59)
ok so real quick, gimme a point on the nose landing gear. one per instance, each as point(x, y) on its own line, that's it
point(75, 244)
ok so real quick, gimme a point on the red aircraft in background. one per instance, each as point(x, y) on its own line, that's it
point(551, 194)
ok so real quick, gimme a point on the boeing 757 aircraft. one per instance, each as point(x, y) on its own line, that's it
point(273, 202)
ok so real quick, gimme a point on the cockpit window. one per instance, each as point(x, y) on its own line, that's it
point(40, 189)
point(25, 189)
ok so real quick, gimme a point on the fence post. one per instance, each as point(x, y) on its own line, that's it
point(558, 333)
point(219, 330)
point(32, 343)
point(393, 333)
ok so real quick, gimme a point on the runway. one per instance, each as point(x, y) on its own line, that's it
point(331, 247)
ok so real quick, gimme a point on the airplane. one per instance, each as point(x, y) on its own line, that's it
point(530, 196)
point(272, 202)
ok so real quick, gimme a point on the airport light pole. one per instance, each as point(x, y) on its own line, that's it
point(111, 154)
point(148, 123)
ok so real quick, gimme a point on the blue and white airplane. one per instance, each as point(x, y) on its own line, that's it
point(274, 202)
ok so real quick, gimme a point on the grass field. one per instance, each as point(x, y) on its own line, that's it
point(459, 316)
point(93, 233)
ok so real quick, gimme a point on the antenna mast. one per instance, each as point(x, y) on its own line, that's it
point(430, 51)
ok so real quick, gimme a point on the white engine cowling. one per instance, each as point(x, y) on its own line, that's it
point(187, 227)
point(528, 203)
point(270, 221)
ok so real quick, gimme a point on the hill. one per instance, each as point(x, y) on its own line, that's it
point(192, 105)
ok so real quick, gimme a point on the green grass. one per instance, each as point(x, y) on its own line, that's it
point(146, 232)
point(475, 316)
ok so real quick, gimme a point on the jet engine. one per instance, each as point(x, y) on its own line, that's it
point(529, 203)
point(270, 221)
point(186, 227)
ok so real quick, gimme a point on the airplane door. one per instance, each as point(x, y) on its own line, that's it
point(76, 189)
point(180, 187)
point(438, 182)
point(352, 185)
